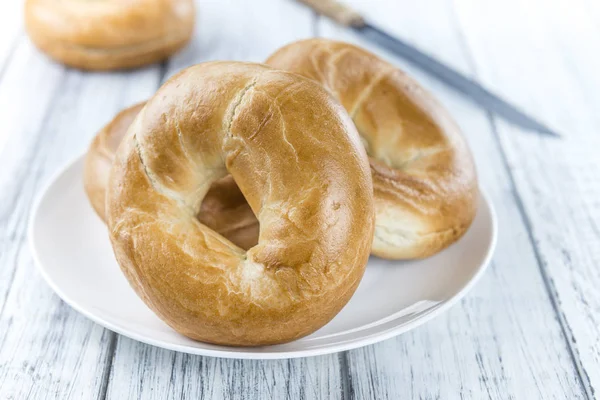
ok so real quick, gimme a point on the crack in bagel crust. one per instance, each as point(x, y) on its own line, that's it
point(366, 93)
point(423, 173)
point(235, 105)
point(156, 184)
point(315, 205)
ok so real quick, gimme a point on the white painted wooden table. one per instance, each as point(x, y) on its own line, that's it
point(531, 327)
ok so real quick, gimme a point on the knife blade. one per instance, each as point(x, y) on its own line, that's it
point(479, 95)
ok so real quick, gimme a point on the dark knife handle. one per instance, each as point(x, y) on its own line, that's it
point(337, 11)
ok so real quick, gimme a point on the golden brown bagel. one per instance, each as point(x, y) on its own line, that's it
point(109, 34)
point(224, 208)
point(101, 154)
point(297, 158)
point(423, 173)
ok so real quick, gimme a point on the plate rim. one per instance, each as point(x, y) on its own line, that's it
point(231, 352)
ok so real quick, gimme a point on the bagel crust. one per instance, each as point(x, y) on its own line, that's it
point(101, 154)
point(224, 209)
point(424, 177)
point(109, 34)
point(298, 160)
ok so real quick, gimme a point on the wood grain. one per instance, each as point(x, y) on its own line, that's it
point(11, 28)
point(556, 76)
point(162, 374)
point(48, 115)
point(502, 341)
point(243, 31)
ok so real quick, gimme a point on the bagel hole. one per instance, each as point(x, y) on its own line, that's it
point(225, 210)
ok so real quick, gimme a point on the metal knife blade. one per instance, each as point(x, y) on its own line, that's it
point(478, 94)
point(345, 15)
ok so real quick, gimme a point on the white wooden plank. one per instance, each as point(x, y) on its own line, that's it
point(145, 372)
point(21, 125)
point(502, 341)
point(11, 29)
point(556, 45)
point(48, 115)
point(243, 31)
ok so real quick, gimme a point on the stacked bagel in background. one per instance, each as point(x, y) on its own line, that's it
point(185, 181)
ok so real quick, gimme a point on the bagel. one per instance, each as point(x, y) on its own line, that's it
point(109, 34)
point(424, 177)
point(224, 208)
point(298, 160)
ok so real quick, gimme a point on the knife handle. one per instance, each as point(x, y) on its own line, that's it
point(337, 11)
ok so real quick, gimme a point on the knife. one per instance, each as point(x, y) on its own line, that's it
point(482, 97)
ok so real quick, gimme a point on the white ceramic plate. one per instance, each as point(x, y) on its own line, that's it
point(73, 253)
